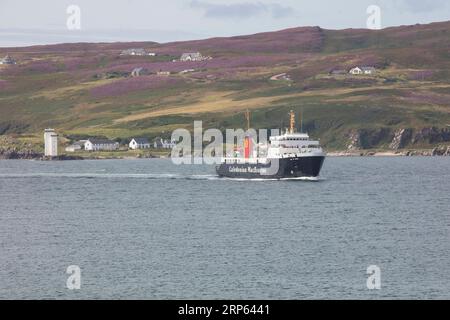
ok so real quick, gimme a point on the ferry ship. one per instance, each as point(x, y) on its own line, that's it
point(291, 155)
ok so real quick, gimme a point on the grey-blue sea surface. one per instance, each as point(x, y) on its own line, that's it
point(147, 229)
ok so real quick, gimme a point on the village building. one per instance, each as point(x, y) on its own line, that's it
point(139, 143)
point(137, 52)
point(77, 146)
point(187, 71)
point(51, 143)
point(193, 56)
point(281, 76)
point(164, 144)
point(368, 70)
point(362, 70)
point(7, 60)
point(101, 145)
point(73, 148)
point(356, 71)
point(163, 73)
point(137, 72)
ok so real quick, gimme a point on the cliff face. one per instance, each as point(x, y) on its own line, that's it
point(361, 139)
point(401, 138)
point(431, 135)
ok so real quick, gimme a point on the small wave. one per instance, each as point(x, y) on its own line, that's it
point(167, 176)
point(313, 179)
point(109, 175)
point(310, 179)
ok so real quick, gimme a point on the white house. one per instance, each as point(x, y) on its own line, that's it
point(137, 72)
point(363, 70)
point(368, 70)
point(101, 145)
point(187, 71)
point(76, 146)
point(51, 143)
point(137, 52)
point(73, 148)
point(7, 60)
point(193, 56)
point(164, 144)
point(139, 143)
point(163, 73)
point(356, 71)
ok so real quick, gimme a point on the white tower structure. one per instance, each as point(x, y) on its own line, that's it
point(51, 143)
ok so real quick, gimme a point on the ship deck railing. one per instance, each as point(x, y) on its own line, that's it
point(265, 160)
point(245, 161)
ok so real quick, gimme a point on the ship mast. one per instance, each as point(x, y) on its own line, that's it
point(301, 121)
point(247, 139)
point(292, 122)
point(247, 117)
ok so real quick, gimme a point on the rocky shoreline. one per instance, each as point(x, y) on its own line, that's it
point(18, 155)
point(27, 152)
point(443, 151)
point(29, 155)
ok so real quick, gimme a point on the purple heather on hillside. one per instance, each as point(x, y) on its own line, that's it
point(3, 84)
point(76, 63)
point(420, 75)
point(39, 67)
point(42, 66)
point(307, 39)
point(426, 97)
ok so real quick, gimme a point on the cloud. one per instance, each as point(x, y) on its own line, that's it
point(421, 6)
point(279, 11)
point(241, 10)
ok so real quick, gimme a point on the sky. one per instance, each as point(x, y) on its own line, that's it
point(29, 22)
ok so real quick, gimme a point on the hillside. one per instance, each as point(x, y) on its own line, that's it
point(86, 89)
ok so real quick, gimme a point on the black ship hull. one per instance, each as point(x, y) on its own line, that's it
point(285, 168)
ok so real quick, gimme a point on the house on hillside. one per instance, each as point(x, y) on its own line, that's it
point(281, 76)
point(196, 56)
point(164, 144)
point(137, 72)
point(363, 70)
point(193, 56)
point(368, 70)
point(187, 71)
point(7, 60)
point(137, 52)
point(77, 146)
point(101, 145)
point(356, 71)
point(139, 143)
point(163, 73)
